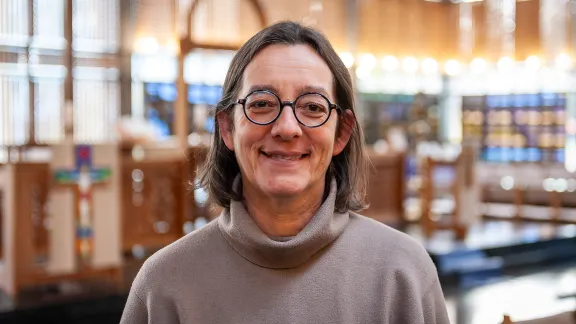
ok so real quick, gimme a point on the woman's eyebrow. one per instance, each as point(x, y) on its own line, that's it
point(311, 88)
point(263, 87)
point(300, 90)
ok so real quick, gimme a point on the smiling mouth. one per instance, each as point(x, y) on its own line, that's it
point(284, 157)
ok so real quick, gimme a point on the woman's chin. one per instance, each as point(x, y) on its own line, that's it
point(283, 186)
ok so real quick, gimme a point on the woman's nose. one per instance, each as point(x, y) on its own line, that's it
point(286, 126)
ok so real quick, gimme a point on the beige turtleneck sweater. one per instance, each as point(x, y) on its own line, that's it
point(341, 268)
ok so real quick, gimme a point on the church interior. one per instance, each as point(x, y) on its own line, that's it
point(468, 109)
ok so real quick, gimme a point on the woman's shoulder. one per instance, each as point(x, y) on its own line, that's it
point(387, 245)
point(381, 233)
point(180, 258)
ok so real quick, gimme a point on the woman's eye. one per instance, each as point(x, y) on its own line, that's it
point(314, 108)
point(260, 104)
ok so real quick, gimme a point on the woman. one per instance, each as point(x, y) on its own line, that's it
point(288, 165)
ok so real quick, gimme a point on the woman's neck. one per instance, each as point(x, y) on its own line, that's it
point(282, 217)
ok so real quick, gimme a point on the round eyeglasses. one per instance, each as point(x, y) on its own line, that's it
point(263, 107)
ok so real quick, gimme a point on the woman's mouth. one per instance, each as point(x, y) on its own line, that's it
point(284, 156)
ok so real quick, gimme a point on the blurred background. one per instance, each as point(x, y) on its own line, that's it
point(468, 107)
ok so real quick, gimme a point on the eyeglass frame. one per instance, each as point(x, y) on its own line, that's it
point(291, 104)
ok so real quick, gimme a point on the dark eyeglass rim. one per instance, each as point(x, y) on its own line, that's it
point(283, 104)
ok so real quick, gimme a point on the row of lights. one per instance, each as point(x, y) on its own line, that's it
point(549, 184)
point(151, 45)
point(367, 62)
point(410, 64)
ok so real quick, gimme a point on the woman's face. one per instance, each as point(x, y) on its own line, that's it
point(284, 159)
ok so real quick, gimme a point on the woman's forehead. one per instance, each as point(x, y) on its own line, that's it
point(288, 68)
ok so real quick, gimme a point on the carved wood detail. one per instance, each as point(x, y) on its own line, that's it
point(154, 205)
point(31, 193)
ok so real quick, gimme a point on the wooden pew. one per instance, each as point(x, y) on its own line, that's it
point(528, 188)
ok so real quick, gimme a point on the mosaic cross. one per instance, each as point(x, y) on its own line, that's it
point(83, 178)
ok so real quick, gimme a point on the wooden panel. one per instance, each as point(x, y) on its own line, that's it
point(386, 188)
point(479, 22)
point(389, 26)
point(248, 21)
point(279, 10)
point(372, 21)
point(333, 23)
point(449, 33)
point(412, 27)
point(25, 239)
point(527, 31)
point(32, 192)
point(408, 28)
point(154, 203)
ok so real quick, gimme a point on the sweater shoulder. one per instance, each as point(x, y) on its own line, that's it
point(191, 245)
point(391, 248)
point(384, 236)
point(164, 269)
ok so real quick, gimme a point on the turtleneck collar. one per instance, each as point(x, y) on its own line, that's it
point(246, 238)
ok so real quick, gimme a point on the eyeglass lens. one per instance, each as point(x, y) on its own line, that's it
point(310, 109)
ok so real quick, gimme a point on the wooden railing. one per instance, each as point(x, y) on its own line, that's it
point(527, 187)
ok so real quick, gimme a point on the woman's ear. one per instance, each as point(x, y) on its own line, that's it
point(225, 127)
point(345, 130)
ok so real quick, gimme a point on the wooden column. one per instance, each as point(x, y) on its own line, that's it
point(69, 81)
point(352, 9)
point(126, 40)
point(181, 125)
point(31, 92)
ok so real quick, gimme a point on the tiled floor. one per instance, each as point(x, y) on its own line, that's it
point(533, 294)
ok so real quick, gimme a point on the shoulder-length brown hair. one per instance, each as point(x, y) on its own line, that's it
point(349, 168)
